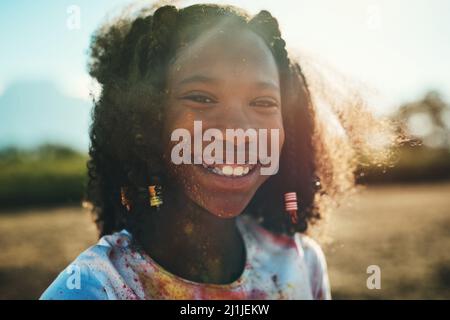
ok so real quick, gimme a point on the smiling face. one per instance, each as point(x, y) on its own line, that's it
point(226, 81)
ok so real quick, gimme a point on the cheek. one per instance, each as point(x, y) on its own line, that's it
point(181, 174)
point(282, 138)
point(282, 133)
point(175, 118)
point(278, 125)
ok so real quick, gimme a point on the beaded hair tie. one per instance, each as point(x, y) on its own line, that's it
point(153, 192)
point(290, 205)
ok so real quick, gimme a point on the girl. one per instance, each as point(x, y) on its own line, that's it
point(203, 231)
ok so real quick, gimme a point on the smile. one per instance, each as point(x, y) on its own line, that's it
point(230, 170)
point(251, 144)
point(228, 177)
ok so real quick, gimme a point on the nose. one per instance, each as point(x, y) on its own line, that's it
point(234, 116)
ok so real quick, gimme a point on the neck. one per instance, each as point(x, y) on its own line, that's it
point(191, 242)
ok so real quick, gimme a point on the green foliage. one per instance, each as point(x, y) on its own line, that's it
point(424, 157)
point(410, 164)
point(47, 175)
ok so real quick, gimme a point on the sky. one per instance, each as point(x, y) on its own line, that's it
point(399, 48)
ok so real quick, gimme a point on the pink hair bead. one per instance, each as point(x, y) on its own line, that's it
point(290, 205)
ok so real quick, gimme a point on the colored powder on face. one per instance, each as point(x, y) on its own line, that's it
point(188, 228)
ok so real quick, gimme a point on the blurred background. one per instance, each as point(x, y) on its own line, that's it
point(399, 220)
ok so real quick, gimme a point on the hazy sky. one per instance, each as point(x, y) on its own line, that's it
point(399, 47)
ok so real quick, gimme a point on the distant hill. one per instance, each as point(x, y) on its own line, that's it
point(37, 112)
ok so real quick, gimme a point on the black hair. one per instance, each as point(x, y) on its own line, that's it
point(130, 59)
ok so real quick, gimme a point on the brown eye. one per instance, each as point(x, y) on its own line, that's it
point(198, 98)
point(264, 103)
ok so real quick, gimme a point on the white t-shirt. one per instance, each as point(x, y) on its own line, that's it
point(277, 267)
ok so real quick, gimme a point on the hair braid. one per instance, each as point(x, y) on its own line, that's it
point(131, 58)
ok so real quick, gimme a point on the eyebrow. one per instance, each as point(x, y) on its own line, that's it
point(267, 85)
point(197, 78)
point(206, 79)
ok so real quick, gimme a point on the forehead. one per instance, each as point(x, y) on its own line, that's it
point(240, 54)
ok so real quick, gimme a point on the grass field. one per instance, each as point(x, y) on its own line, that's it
point(46, 175)
point(403, 229)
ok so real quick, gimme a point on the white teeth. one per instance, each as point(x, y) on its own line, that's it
point(227, 170)
point(238, 171)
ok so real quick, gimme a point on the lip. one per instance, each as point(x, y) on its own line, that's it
point(227, 183)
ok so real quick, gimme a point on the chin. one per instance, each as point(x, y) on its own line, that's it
point(221, 195)
point(223, 207)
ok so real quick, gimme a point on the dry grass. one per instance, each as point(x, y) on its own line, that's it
point(402, 229)
point(37, 244)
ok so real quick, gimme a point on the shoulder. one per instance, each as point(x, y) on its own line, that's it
point(88, 277)
point(263, 237)
point(314, 258)
point(310, 250)
point(305, 249)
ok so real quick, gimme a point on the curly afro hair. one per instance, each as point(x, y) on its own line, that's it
point(130, 59)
